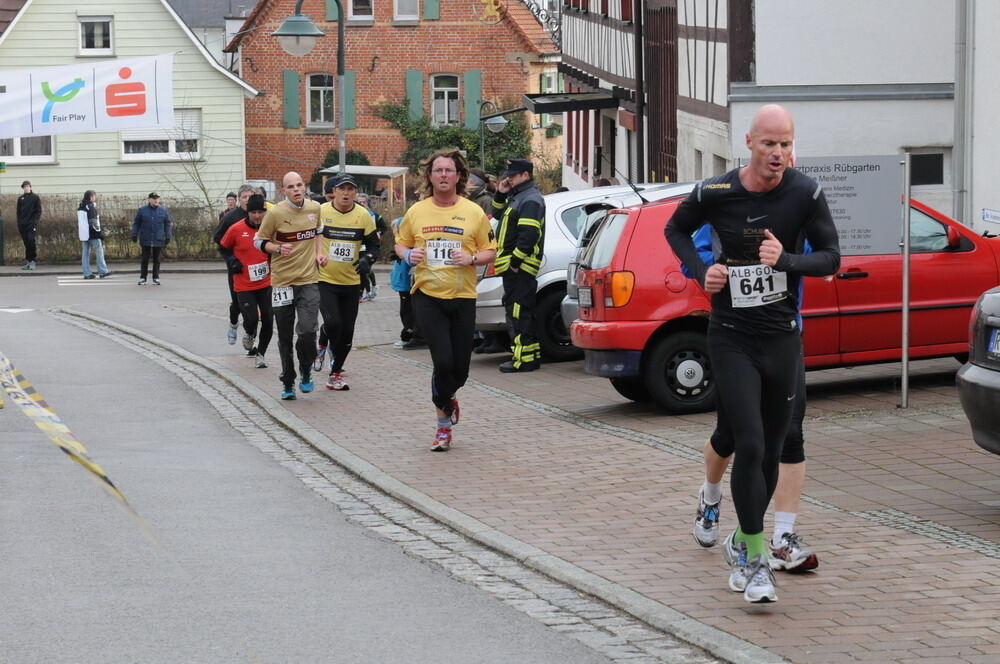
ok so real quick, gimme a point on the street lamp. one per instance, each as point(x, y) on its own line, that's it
point(495, 123)
point(297, 36)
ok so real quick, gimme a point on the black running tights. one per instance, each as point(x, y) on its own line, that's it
point(756, 377)
point(256, 304)
point(339, 307)
point(447, 326)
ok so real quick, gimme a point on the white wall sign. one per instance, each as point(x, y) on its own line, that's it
point(865, 199)
point(991, 215)
point(90, 96)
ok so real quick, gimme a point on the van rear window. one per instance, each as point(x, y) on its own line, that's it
point(600, 251)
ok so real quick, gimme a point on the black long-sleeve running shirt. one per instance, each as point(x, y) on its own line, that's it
point(793, 211)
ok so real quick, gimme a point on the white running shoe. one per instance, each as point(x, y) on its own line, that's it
point(248, 341)
point(791, 555)
point(730, 549)
point(259, 362)
point(735, 556)
point(759, 588)
point(398, 343)
point(706, 522)
point(336, 382)
point(320, 356)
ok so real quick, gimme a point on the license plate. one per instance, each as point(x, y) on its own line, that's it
point(586, 297)
point(994, 345)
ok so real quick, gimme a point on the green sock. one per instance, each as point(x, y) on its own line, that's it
point(738, 536)
point(755, 545)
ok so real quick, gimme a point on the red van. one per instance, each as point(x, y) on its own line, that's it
point(642, 323)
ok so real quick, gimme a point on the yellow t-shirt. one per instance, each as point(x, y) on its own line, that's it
point(285, 223)
point(342, 234)
point(439, 230)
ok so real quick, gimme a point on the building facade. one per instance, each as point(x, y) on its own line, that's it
point(442, 56)
point(200, 159)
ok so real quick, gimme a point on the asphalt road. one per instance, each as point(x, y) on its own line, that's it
point(249, 564)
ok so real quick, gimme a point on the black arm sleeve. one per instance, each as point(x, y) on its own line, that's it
point(373, 245)
point(822, 235)
point(685, 221)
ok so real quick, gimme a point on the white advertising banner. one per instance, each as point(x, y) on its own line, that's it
point(90, 96)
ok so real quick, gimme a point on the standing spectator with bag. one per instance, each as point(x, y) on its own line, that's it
point(88, 223)
point(29, 211)
point(151, 228)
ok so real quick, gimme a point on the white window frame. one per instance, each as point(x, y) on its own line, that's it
point(549, 83)
point(457, 120)
point(17, 158)
point(310, 122)
point(89, 52)
point(352, 16)
point(187, 127)
point(399, 16)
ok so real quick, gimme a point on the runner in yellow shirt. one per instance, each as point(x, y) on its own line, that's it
point(445, 236)
point(348, 246)
point(289, 234)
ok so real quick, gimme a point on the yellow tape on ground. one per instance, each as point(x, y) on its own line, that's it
point(24, 395)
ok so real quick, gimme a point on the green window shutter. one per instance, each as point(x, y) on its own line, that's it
point(415, 92)
point(331, 10)
point(473, 83)
point(350, 112)
point(432, 10)
point(291, 99)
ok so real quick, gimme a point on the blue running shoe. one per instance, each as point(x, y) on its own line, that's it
point(288, 393)
point(306, 382)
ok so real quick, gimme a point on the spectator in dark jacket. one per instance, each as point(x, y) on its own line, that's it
point(151, 228)
point(29, 211)
point(91, 237)
point(479, 191)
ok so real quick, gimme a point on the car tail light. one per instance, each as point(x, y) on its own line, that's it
point(973, 319)
point(620, 285)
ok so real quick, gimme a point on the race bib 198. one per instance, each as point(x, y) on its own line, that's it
point(439, 252)
point(281, 296)
point(258, 271)
point(756, 285)
point(342, 252)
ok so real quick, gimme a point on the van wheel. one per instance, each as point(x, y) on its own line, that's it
point(631, 387)
point(552, 333)
point(678, 375)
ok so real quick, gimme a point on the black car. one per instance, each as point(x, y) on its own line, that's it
point(979, 379)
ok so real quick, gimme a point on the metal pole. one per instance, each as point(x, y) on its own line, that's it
point(342, 128)
point(482, 131)
point(905, 377)
point(638, 56)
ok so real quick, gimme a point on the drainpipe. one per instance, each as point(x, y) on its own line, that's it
point(640, 96)
point(962, 143)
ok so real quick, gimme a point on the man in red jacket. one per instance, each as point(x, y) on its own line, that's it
point(251, 270)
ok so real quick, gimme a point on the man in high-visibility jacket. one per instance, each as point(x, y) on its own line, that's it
point(520, 210)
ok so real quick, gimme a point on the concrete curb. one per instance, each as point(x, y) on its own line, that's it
point(715, 641)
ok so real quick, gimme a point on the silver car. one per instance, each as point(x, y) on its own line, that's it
point(566, 215)
point(570, 305)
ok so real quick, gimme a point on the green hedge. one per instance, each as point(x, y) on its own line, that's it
point(58, 241)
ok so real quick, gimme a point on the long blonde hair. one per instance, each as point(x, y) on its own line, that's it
point(427, 189)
